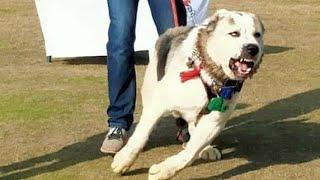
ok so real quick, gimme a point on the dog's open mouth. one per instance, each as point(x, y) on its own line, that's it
point(241, 67)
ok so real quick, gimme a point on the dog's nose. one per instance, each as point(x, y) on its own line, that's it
point(252, 49)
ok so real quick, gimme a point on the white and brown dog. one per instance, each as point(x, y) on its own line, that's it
point(195, 74)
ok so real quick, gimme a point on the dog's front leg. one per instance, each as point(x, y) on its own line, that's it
point(206, 130)
point(126, 156)
point(208, 153)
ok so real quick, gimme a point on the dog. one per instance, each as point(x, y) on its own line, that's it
point(195, 73)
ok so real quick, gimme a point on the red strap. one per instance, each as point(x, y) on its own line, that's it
point(190, 74)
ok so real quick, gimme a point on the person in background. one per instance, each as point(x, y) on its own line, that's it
point(120, 62)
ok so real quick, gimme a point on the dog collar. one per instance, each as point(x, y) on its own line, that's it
point(219, 100)
point(197, 68)
point(194, 71)
point(200, 60)
point(219, 93)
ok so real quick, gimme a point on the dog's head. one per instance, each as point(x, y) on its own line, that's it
point(235, 42)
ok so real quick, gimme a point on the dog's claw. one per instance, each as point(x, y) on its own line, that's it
point(210, 153)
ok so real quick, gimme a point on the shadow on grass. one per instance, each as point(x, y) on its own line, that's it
point(274, 134)
point(65, 157)
point(99, 60)
point(140, 57)
point(268, 49)
point(137, 171)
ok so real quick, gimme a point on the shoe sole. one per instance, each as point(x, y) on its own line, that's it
point(125, 140)
point(107, 151)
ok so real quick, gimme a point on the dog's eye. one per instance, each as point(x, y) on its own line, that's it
point(235, 34)
point(257, 35)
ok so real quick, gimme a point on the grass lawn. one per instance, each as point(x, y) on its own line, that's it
point(52, 116)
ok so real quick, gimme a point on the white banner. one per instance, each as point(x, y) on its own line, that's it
point(75, 28)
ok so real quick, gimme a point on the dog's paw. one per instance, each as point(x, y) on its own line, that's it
point(160, 171)
point(123, 160)
point(210, 153)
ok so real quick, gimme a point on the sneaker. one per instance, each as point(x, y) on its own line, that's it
point(183, 135)
point(114, 141)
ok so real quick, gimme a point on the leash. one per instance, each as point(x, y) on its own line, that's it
point(191, 12)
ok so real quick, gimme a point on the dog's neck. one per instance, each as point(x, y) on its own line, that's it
point(211, 74)
point(209, 66)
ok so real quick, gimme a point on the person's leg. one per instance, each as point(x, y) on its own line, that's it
point(121, 72)
point(164, 13)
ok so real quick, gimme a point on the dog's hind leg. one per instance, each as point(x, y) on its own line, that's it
point(206, 130)
point(126, 156)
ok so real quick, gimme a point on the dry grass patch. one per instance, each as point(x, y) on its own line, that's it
point(52, 116)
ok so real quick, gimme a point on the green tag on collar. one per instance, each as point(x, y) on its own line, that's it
point(217, 104)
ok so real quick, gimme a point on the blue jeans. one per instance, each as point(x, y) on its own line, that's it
point(120, 48)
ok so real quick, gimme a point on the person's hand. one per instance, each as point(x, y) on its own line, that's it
point(186, 2)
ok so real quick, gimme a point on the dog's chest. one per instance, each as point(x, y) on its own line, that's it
point(201, 100)
point(189, 97)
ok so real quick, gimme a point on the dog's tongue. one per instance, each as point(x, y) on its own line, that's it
point(243, 67)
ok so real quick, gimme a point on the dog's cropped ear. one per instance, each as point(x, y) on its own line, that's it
point(211, 22)
point(258, 19)
point(222, 13)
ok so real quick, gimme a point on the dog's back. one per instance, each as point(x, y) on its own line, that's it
point(170, 40)
point(167, 43)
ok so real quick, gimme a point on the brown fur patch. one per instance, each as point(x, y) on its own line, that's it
point(212, 24)
point(215, 71)
point(171, 39)
point(231, 21)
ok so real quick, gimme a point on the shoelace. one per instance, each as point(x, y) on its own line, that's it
point(116, 133)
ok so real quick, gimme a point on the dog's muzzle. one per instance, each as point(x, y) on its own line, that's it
point(250, 51)
point(243, 66)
